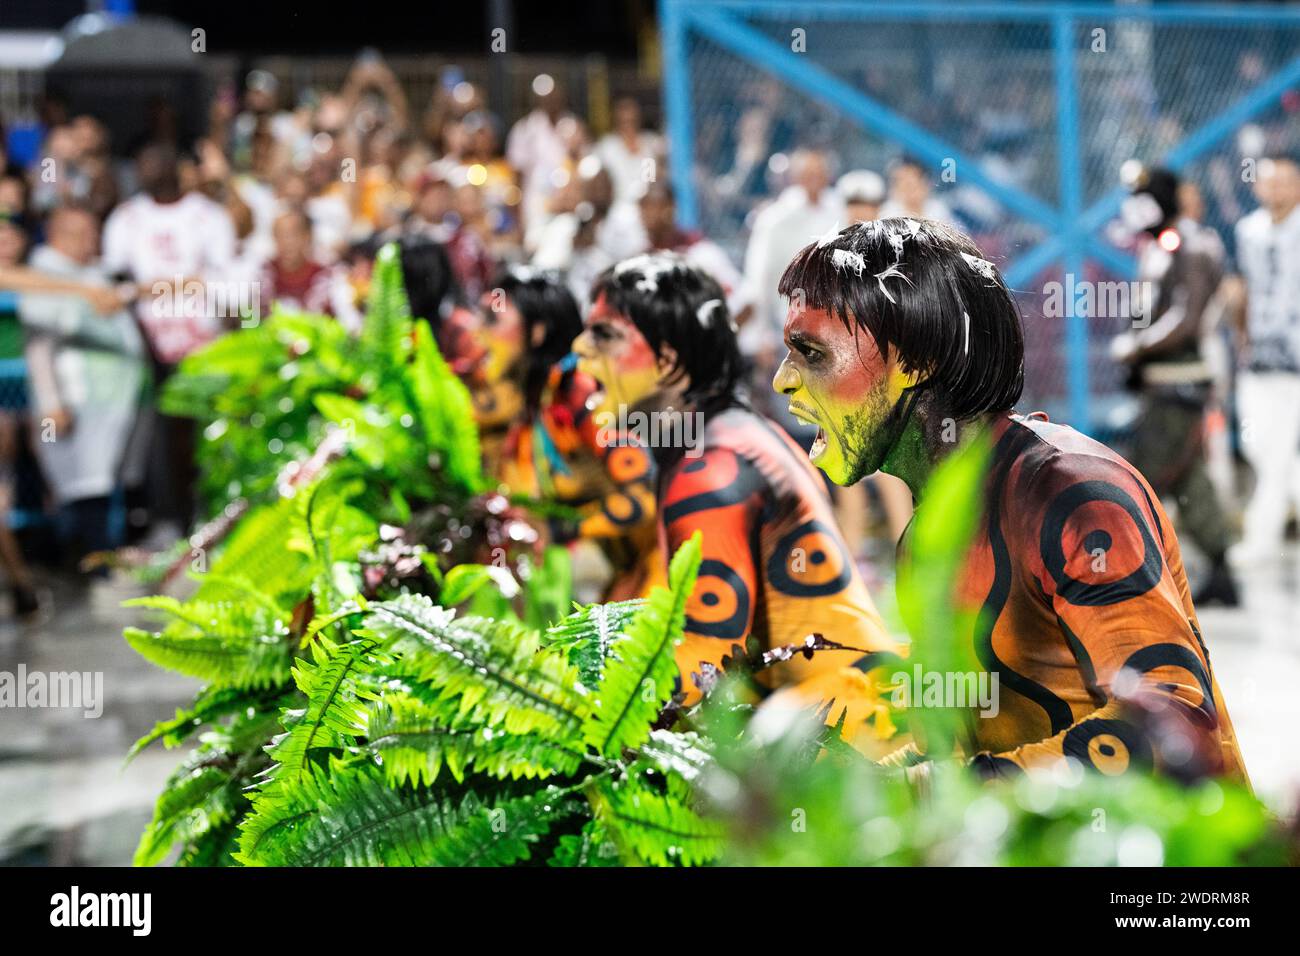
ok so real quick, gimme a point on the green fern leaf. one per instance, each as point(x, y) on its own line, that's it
point(227, 644)
point(591, 846)
point(351, 816)
point(640, 675)
point(588, 635)
point(497, 669)
point(415, 738)
point(659, 829)
point(335, 712)
point(211, 704)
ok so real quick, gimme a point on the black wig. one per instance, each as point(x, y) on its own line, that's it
point(544, 301)
point(924, 293)
point(674, 303)
point(429, 279)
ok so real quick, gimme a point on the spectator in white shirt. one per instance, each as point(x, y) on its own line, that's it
point(807, 209)
point(538, 147)
point(179, 249)
point(1268, 388)
point(659, 216)
point(630, 154)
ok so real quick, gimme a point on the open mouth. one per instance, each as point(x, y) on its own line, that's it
point(818, 447)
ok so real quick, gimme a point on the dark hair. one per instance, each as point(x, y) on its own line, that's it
point(543, 300)
point(907, 161)
point(673, 303)
point(428, 277)
point(1161, 185)
point(925, 294)
point(661, 188)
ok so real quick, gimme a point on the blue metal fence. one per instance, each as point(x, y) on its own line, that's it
point(1032, 106)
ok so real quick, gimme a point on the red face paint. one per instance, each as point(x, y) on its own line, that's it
point(613, 351)
point(836, 379)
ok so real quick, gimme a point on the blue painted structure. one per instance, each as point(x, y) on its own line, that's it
point(1071, 226)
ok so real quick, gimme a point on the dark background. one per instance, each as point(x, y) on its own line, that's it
point(281, 26)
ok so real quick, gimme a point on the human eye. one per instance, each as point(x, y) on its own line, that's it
point(810, 353)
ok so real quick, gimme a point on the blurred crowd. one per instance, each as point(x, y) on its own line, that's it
point(118, 260)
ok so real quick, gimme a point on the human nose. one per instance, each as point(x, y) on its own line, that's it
point(786, 381)
point(582, 344)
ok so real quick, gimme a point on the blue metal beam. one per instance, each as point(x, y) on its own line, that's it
point(784, 64)
point(677, 112)
point(1070, 184)
point(1008, 10)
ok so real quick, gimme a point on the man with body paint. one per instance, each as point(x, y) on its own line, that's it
point(775, 568)
point(903, 343)
point(536, 429)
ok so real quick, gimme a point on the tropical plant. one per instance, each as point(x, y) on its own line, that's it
point(351, 714)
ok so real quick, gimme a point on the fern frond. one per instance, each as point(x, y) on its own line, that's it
point(659, 829)
point(351, 816)
point(335, 712)
point(206, 791)
point(414, 739)
point(497, 669)
point(211, 704)
point(229, 645)
point(446, 413)
point(681, 754)
point(388, 311)
point(588, 635)
point(590, 846)
point(640, 677)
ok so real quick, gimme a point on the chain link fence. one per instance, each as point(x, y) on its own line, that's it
point(1023, 113)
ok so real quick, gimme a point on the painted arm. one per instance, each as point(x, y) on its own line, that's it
point(720, 494)
point(1097, 549)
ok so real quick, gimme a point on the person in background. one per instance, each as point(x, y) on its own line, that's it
point(86, 373)
point(261, 116)
point(430, 214)
point(659, 216)
point(293, 278)
point(579, 239)
point(537, 147)
point(179, 250)
point(807, 208)
point(1184, 266)
point(632, 155)
point(1268, 387)
point(13, 406)
point(429, 276)
point(911, 193)
point(470, 244)
point(863, 193)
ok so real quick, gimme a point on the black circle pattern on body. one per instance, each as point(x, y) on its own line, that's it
point(720, 603)
point(825, 567)
point(1084, 593)
point(1155, 656)
point(1110, 747)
